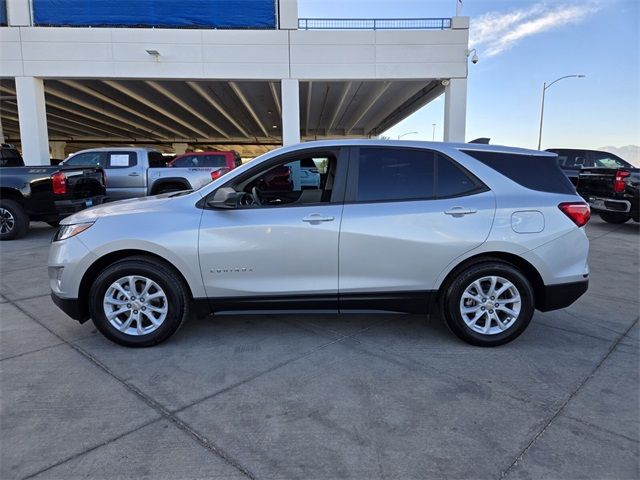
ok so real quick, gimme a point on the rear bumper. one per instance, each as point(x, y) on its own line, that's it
point(601, 204)
point(64, 208)
point(72, 307)
point(561, 295)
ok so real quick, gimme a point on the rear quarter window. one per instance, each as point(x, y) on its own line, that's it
point(536, 172)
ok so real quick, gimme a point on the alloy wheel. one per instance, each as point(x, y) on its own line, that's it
point(7, 222)
point(490, 305)
point(135, 305)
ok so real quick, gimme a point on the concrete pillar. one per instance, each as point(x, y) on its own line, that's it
point(58, 150)
point(455, 110)
point(32, 114)
point(288, 14)
point(180, 148)
point(19, 13)
point(290, 111)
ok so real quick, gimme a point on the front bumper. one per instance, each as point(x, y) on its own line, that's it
point(64, 208)
point(554, 297)
point(72, 307)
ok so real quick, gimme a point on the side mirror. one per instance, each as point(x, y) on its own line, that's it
point(224, 198)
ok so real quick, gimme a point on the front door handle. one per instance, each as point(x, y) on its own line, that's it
point(134, 174)
point(459, 211)
point(315, 218)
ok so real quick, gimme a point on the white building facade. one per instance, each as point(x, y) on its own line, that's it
point(300, 79)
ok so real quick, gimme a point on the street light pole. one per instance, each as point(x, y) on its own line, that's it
point(544, 90)
point(433, 138)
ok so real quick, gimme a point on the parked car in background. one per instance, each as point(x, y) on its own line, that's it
point(225, 161)
point(9, 156)
point(137, 172)
point(614, 193)
point(487, 234)
point(45, 194)
point(572, 160)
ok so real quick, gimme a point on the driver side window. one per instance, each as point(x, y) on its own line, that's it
point(87, 159)
point(300, 181)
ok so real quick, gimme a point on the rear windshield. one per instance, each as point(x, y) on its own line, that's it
point(536, 172)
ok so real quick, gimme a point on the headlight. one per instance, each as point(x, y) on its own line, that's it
point(68, 231)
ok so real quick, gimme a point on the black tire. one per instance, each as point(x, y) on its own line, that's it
point(451, 300)
point(176, 291)
point(55, 224)
point(14, 222)
point(614, 217)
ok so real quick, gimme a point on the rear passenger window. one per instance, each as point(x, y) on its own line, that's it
point(395, 174)
point(121, 159)
point(537, 172)
point(453, 181)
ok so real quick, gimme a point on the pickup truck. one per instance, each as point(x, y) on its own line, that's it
point(45, 194)
point(137, 172)
point(572, 160)
point(614, 193)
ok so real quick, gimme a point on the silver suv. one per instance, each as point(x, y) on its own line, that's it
point(485, 234)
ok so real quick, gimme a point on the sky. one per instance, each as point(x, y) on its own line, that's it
point(522, 44)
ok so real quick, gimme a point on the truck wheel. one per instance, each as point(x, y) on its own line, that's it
point(613, 217)
point(14, 222)
point(488, 304)
point(138, 302)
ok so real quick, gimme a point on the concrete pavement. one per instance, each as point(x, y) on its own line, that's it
point(323, 397)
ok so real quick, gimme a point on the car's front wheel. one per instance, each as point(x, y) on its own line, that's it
point(488, 304)
point(138, 302)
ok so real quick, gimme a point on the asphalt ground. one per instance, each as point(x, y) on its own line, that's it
point(323, 396)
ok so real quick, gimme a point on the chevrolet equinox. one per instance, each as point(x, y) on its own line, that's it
point(484, 234)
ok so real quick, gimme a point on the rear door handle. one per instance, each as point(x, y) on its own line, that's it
point(459, 211)
point(317, 218)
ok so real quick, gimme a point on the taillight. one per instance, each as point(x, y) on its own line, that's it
point(618, 183)
point(218, 173)
point(578, 212)
point(59, 181)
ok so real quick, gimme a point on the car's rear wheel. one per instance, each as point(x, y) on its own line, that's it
point(614, 217)
point(488, 304)
point(138, 303)
point(14, 222)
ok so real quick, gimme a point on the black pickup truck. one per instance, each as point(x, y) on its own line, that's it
point(573, 160)
point(47, 194)
point(614, 193)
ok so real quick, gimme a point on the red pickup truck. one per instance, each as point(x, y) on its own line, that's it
point(227, 161)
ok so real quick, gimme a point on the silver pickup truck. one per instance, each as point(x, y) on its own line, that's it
point(137, 172)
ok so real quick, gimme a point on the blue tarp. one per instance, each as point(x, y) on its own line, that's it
point(3, 12)
point(157, 13)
